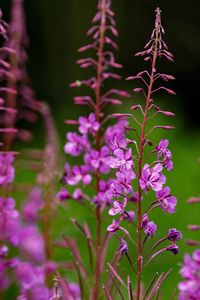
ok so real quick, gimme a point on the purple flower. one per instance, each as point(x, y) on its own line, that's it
point(32, 243)
point(33, 205)
point(167, 201)
point(162, 149)
point(173, 248)
point(189, 289)
point(129, 216)
point(196, 256)
point(102, 196)
point(123, 247)
point(98, 160)
point(3, 251)
point(63, 195)
point(113, 227)
point(174, 235)
point(150, 228)
point(76, 174)
point(118, 208)
point(115, 135)
point(76, 144)
point(78, 194)
point(164, 153)
point(168, 164)
point(7, 171)
point(88, 125)
point(9, 221)
point(152, 178)
point(121, 159)
point(145, 221)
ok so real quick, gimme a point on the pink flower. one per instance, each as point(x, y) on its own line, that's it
point(118, 208)
point(7, 171)
point(152, 178)
point(167, 201)
point(88, 125)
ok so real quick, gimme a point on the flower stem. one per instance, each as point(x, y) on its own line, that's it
point(140, 164)
point(97, 274)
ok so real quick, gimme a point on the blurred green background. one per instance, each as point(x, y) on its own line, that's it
point(57, 28)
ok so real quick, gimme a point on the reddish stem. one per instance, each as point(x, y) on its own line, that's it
point(97, 274)
point(140, 164)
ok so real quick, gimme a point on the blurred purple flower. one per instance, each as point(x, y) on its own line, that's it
point(63, 195)
point(31, 243)
point(123, 247)
point(7, 171)
point(113, 227)
point(33, 205)
point(98, 159)
point(76, 144)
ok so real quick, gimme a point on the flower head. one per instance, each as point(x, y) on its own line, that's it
point(173, 248)
point(123, 247)
point(118, 208)
point(113, 227)
point(174, 235)
point(88, 124)
point(7, 171)
point(167, 201)
point(152, 178)
point(150, 228)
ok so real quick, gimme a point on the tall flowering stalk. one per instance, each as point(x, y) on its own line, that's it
point(9, 216)
point(147, 173)
point(92, 141)
point(190, 271)
point(23, 99)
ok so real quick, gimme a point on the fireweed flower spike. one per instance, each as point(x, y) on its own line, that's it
point(147, 172)
point(92, 142)
point(23, 99)
point(190, 270)
point(9, 216)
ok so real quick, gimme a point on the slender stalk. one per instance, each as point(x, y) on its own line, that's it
point(140, 164)
point(97, 140)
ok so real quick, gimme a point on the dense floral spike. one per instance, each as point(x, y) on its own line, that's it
point(5, 74)
point(9, 216)
point(92, 142)
point(190, 270)
point(24, 99)
point(103, 27)
point(146, 171)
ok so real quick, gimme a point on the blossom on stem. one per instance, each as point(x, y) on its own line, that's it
point(123, 247)
point(152, 178)
point(76, 144)
point(113, 227)
point(7, 171)
point(174, 235)
point(121, 159)
point(118, 208)
point(88, 125)
point(166, 200)
point(150, 228)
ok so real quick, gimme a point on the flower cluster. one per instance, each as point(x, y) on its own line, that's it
point(139, 176)
point(24, 98)
point(189, 288)
point(190, 270)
